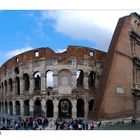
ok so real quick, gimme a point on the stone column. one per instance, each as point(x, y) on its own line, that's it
point(9, 91)
point(8, 88)
point(21, 85)
point(74, 81)
point(86, 86)
point(86, 108)
point(14, 108)
point(14, 88)
point(43, 83)
point(31, 89)
point(55, 80)
point(74, 108)
point(43, 106)
point(97, 80)
point(4, 94)
point(21, 108)
point(55, 109)
point(3, 107)
point(31, 106)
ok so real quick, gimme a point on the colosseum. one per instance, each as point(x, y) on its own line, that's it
point(41, 82)
point(80, 82)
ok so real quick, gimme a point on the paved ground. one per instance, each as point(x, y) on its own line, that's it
point(128, 126)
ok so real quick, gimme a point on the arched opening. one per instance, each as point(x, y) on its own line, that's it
point(80, 78)
point(90, 105)
point(80, 108)
point(11, 107)
point(16, 70)
point(36, 53)
point(37, 108)
point(26, 108)
point(10, 85)
point(5, 84)
point(17, 83)
point(49, 79)
point(6, 108)
point(26, 82)
point(91, 79)
point(49, 107)
point(65, 108)
point(17, 106)
point(37, 81)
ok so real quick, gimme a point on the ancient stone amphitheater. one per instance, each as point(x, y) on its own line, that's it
point(41, 82)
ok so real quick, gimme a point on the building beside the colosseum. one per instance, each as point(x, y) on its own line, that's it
point(79, 82)
point(41, 82)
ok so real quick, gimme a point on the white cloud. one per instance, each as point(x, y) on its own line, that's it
point(60, 50)
point(94, 26)
point(12, 53)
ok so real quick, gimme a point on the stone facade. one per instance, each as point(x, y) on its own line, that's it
point(41, 82)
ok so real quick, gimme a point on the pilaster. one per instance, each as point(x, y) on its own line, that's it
point(86, 86)
point(43, 83)
point(74, 109)
point(31, 105)
point(55, 110)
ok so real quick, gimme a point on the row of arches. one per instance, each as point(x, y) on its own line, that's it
point(64, 79)
point(9, 85)
point(64, 108)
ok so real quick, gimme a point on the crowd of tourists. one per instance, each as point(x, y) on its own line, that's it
point(39, 123)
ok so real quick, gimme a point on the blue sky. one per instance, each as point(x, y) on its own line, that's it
point(22, 30)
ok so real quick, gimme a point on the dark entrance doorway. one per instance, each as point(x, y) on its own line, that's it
point(6, 108)
point(49, 105)
point(26, 108)
point(90, 105)
point(64, 108)
point(11, 107)
point(80, 108)
point(37, 108)
point(17, 108)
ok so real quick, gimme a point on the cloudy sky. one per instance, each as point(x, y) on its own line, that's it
point(22, 30)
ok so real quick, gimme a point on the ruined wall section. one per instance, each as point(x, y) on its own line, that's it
point(79, 52)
